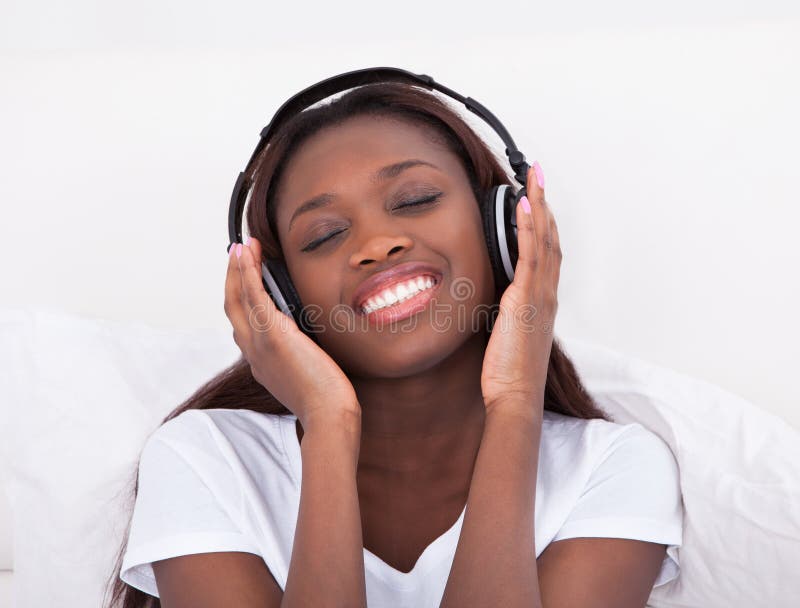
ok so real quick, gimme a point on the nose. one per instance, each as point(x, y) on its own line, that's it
point(378, 248)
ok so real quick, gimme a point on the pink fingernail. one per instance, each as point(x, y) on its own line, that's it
point(247, 241)
point(539, 174)
point(526, 205)
point(238, 250)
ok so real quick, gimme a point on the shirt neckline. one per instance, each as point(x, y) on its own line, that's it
point(432, 555)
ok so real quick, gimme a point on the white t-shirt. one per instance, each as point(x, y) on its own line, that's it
point(229, 480)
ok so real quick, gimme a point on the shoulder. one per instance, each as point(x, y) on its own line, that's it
point(198, 426)
point(625, 465)
point(214, 457)
point(622, 481)
point(220, 434)
point(583, 455)
point(633, 445)
point(595, 439)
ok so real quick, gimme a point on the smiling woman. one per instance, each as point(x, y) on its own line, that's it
point(366, 228)
point(271, 485)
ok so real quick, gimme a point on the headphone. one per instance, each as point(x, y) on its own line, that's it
point(498, 207)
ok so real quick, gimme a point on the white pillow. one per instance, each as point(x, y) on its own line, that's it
point(81, 395)
point(739, 474)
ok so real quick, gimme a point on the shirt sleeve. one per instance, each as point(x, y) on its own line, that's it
point(633, 493)
point(175, 513)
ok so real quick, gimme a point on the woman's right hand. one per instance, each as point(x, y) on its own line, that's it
point(285, 361)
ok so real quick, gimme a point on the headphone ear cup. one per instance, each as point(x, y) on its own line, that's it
point(510, 222)
point(490, 234)
point(500, 231)
point(279, 287)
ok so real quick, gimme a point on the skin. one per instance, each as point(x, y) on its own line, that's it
point(419, 390)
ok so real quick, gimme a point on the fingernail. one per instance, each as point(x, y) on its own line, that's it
point(247, 241)
point(539, 174)
point(238, 250)
point(526, 205)
point(232, 250)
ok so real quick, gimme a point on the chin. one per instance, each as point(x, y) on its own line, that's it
point(383, 354)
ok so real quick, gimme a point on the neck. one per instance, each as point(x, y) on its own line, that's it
point(427, 424)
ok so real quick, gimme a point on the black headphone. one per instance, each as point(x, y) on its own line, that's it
point(498, 205)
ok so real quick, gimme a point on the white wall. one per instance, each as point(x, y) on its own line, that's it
point(668, 136)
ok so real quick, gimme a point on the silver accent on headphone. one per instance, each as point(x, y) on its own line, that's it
point(499, 218)
point(275, 290)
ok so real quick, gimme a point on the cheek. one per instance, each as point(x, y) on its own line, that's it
point(315, 284)
point(466, 245)
point(460, 226)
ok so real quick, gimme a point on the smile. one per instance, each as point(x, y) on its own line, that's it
point(401, 300)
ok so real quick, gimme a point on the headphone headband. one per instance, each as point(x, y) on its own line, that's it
point(342, 82)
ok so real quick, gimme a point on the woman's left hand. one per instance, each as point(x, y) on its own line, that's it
point(518, 353)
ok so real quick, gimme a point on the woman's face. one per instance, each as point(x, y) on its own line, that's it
point(370, 233)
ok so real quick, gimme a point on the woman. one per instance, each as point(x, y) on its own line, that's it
point(413, 433)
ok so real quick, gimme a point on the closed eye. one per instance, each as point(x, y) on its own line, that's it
point(422, 201)
point(414, 203)
point(317, 242)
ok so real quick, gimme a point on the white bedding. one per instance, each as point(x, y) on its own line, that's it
point(80, 395)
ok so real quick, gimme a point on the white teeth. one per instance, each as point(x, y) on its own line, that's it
point(389, 296)
point(398, 293)
point(402, 291)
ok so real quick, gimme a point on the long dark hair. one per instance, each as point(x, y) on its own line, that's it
point(235, 387)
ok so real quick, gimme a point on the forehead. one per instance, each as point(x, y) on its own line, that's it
point(344, 157)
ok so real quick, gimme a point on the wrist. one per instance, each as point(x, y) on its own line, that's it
point(527, 410)
point(332, 420)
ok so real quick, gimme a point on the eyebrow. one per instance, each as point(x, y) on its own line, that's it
point(382, 174)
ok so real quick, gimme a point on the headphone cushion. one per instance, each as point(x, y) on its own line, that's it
point(492, 239)
point(281, 275)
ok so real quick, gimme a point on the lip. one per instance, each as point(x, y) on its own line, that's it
point(405, 309)
point(389, 277)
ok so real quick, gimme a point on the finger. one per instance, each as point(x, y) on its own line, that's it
point(253, 292)
point(552, 242)
point(527, 248)
point(255, 248)
point(556, 239)
point(556, 252)
point(550, 252)
point(535, 192)
point(539, 208)
point(262, 314)
point(233, 299)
